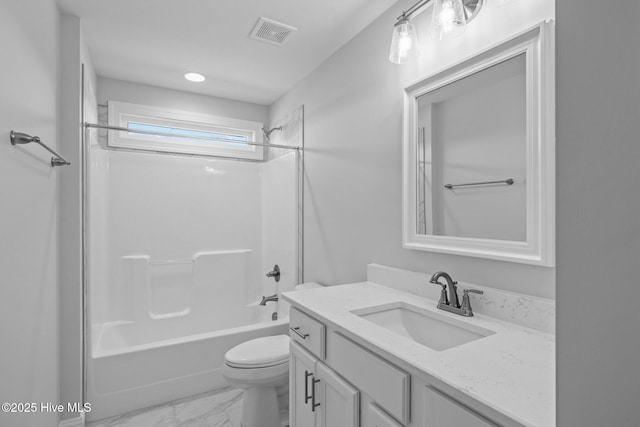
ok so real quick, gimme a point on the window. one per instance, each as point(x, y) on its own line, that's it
point(182, 132)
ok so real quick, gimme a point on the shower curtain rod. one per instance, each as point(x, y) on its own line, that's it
point(88, 125)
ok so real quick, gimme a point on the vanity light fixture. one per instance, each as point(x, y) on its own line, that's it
point(195, 77)
point(450, 18)
point(404, 42)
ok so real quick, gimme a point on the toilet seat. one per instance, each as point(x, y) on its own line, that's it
point(259, 353)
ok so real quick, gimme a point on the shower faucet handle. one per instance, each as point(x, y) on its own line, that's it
point(275, 273)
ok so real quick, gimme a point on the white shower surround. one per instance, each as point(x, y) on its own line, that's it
point(226, 223)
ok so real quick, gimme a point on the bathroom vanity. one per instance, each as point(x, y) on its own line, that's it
point(369, 355)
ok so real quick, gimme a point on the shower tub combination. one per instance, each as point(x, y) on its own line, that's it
point(178, 248)
point(134, 367)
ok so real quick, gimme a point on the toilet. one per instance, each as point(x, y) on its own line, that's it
point(261, 368)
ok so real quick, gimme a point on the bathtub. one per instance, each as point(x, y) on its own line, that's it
point(133, 365)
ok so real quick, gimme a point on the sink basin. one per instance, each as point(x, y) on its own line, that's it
point(423, 326)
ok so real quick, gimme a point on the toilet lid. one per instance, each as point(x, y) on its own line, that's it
point(265, 351)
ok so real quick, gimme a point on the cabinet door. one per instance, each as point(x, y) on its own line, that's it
point(378, 418)
point(339, 401)
point(301, 376)
point(442, 411)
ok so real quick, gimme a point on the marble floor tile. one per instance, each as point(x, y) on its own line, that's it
point(221, 408)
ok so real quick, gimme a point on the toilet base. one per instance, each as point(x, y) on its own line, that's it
point(260, 407)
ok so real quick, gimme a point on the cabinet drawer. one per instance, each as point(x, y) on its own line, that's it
point(376, 417)
point(308, 332)
point(442, 411)
point(387, 385)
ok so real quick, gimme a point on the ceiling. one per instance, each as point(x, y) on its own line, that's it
point(157, 41)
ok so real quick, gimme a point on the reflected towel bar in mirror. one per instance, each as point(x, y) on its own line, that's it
point(506, 181)
point(23, 138)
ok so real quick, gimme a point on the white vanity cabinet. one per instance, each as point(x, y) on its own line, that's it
point(336, 382)
point(329, 375)
point(379, 381)
point(442, 411)
point(301, 372)
point(376, 417)
point(318, 396)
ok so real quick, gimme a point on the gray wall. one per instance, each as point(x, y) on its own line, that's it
point(353, 132)
point(29, 42)
point(118, 90)
point(598, 191)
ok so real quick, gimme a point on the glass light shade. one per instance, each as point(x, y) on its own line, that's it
point(404, 43)
point(448, 19)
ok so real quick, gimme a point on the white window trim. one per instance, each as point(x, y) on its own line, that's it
point(121, 113)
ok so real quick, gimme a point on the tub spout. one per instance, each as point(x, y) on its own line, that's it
point(271, 298)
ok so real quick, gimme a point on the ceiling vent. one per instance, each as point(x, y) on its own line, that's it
point(272, 32)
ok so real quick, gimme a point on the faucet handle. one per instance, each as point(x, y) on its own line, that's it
point(275, 273)
point(444, 299)
point(466, 304)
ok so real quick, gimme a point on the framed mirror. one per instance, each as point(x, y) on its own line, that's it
point(479, 154)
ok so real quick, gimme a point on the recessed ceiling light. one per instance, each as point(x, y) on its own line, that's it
point(195, 77)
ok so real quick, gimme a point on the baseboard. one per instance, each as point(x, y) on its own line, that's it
point(73, 422)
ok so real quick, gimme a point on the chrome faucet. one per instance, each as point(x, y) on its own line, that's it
point(453, 289)
point(271, 298)
point(450, 302)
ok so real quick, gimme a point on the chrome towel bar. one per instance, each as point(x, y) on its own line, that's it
point(23, 138)
point(509, 181)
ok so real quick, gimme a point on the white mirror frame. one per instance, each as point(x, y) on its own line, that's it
point(539, 248)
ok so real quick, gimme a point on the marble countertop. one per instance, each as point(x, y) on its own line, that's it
point(511, 371)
